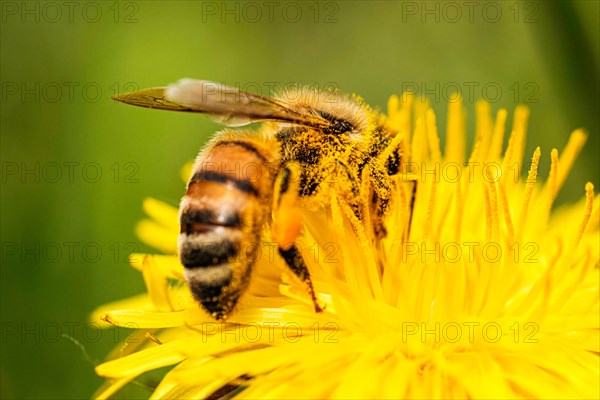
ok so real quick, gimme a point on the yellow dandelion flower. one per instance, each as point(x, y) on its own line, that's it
point(483, 293)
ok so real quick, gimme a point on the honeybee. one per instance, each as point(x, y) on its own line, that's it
point(307, 137)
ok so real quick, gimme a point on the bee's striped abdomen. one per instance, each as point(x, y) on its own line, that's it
point(221, 218)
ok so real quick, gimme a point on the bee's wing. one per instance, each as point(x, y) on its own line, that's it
point(226, 105)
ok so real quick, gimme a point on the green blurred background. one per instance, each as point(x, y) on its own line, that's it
point(76, 165)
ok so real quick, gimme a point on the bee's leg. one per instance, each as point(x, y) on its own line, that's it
point(386, 165)
point(380, 198)
point(295, 262)
point(349, 188)
point(390, 158)
point(287, 224)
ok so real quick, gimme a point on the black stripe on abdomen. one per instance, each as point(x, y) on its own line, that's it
point(214, 176)
point(197, 254)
